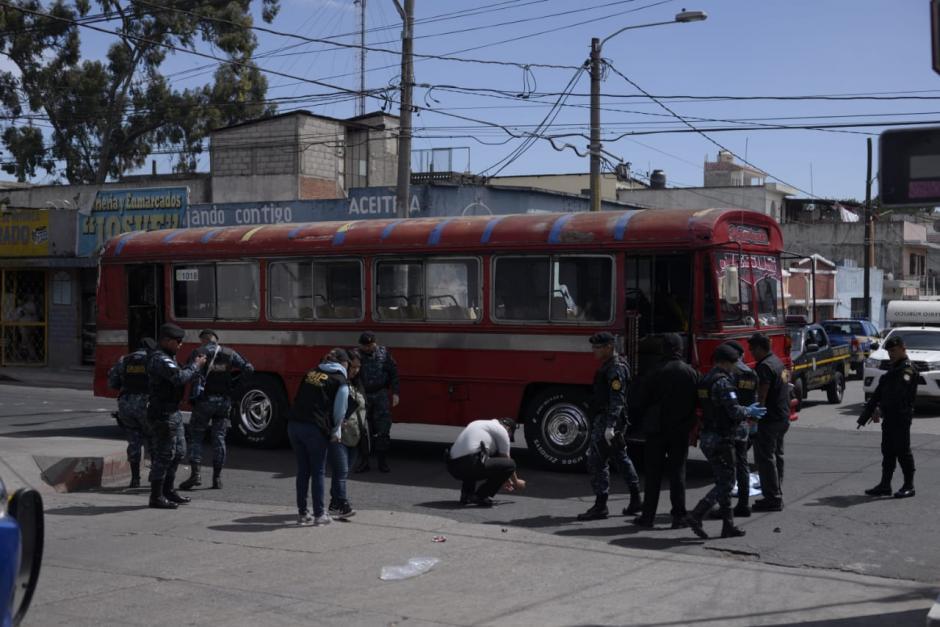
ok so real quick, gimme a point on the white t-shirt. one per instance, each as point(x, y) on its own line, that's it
point(491, 433)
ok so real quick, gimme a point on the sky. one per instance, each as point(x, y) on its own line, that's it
point(744, 48)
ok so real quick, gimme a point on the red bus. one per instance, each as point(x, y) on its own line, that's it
point(486, 316)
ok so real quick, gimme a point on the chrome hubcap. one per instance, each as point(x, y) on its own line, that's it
point(255, 411)
point(565, 427)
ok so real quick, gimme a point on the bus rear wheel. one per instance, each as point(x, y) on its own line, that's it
point(260, 412)
point(558, 428)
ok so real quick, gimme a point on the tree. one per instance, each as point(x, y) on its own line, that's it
point(109, 115)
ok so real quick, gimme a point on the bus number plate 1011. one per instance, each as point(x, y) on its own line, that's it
point(187, 274)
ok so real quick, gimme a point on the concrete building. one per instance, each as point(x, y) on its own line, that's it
point(724, 172)
point(850, 293)
point(576, 183)
point(302, 156)
point(798, 285)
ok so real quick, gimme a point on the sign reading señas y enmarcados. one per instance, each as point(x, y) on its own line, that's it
point(124, 210)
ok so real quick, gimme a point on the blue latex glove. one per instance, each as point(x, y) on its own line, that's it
point(754, 410)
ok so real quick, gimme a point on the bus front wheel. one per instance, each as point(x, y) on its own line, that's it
point(558, 428)
point(260, 412)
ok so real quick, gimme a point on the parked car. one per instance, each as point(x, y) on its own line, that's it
point(923, 348)
point(858, 335)
point(21, 543)
point(817, 363)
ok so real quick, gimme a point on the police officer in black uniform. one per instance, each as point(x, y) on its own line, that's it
point(895, 396)
point(745, 383)
point(129, 377)
point(773, 392)
point(167, 380)
point(212, 403)
point(721, 416)
point(609, 416)
point(378, 374)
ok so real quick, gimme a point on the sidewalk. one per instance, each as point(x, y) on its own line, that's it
point(110, 560)
point(78, 377)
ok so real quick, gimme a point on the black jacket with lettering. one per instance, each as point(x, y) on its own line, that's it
point(895, 395)
point(167, 381)
point(129, 374)
point(315, 399)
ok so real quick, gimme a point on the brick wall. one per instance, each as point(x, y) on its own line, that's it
point(315, 188)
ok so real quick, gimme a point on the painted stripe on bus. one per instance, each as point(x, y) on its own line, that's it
point(340, 236)
point(205, 238)
point(435, 237)
point(172, 235)
point(388, 230)
point(488, 231)
point(247, 236)
point(620, 228)
point(512, 340)
point(293, 232)
point(554, 236)
point(126, 237)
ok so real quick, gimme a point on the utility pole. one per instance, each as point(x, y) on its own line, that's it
point(595, 146)
point(403, 197)
point(868, 237)
point(361, 105)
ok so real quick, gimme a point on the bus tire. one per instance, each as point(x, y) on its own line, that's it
point(558, 428)
point(799, 392)
point(259, 413)
point(836, 390)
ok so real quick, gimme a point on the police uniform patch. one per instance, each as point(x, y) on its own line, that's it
point(907, 377)
point(615, 385)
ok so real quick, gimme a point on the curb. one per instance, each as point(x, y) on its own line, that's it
point(74, 474)
point(933, 616)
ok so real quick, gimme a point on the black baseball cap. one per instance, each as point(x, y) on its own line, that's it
point(208, 332)
point(736, 346)
point(894, 341)
point(725, 353)
point(760, 340)
point(367, 337)
point(171, 331)
point(601, 339)
point(339, 354)
point(510, 425)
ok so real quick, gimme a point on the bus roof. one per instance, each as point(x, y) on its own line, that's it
point(647, 228)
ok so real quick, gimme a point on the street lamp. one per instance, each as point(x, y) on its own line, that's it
point(682, 17)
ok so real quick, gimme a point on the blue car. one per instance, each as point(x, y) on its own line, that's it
point(21, 541)
point(858, 334)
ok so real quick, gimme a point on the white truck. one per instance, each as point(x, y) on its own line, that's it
point(918, 323)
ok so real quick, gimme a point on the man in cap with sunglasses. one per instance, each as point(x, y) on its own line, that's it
point(167, 381)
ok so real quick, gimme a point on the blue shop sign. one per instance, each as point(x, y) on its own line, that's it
point(125, 210)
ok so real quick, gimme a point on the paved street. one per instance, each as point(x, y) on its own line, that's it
point(828, 524)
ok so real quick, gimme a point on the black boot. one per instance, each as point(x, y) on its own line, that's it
point(635, 504)
point(135, 476)
point(195, 478)
point(883, 488)
point(383, 462)
point(907, 489)
point(728, 530)
point(172, 495)
point(742, 510)
point(694, 519)
point(157, 500)
point(598, 511)
point(216, 479)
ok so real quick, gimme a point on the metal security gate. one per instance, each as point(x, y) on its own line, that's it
point(23, 317)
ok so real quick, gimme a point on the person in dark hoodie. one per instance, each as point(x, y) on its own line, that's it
point(314, 422)
point(667, 404)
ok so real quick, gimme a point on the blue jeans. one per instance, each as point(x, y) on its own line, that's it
point(341, 458)
point(310, 448)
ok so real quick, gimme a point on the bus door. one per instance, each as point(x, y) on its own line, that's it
point(658, 291)
point(145, 298)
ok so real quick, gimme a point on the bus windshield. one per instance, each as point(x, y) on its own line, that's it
point(749, 289)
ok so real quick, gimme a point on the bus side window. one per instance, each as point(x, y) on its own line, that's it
point(453, 289)
point(399, 290)
point(521, 288)
point(194, 291)
point(582, 289)
point(237, 291)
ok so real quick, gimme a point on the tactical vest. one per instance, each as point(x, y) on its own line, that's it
point(219, 377)
point(745, 380)
point(134, 380)
point(314, 401)
point(372, 372)
point(165, 397)
point(714, 417)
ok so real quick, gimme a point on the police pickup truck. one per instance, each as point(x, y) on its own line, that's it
point(817, 364)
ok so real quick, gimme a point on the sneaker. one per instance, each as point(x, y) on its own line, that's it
point(742, 511)
point(343, 511)
point(333, 508)
point(304, 520)
point(321, 520)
